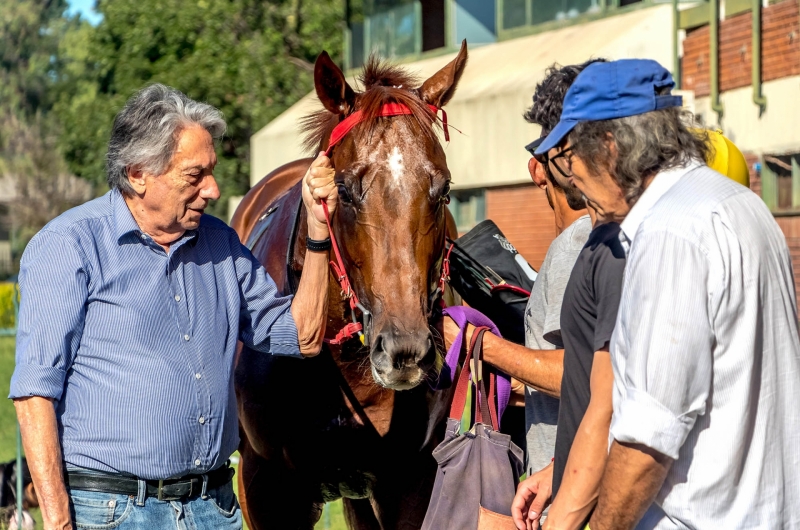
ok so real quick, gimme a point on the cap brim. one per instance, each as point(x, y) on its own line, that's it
point(534, 144)
point(555, 137)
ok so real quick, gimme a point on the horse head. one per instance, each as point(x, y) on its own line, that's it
point(391, 221)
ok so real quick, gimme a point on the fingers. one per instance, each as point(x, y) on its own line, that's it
point(321, 161)
point(521, 504)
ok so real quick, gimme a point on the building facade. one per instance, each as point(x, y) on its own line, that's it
point(512, 42)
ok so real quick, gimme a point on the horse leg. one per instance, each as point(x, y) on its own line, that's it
point(401, 498)
point(273, 496)
point(359, 515)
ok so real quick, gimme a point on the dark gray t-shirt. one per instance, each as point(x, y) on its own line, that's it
point(588, 316)
point(543, 332)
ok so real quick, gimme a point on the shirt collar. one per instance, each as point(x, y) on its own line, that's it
point(661, 184)
point(124, 223)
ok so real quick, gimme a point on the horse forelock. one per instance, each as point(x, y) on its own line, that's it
point(383, 83)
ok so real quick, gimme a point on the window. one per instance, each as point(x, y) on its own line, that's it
point(468, 208)
point(474, 20)
point(780, 182)
point(392, 28)
point(518, 13)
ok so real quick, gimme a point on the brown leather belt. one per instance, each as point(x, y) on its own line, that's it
point(165, 490)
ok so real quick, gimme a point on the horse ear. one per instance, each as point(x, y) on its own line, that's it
point(332, 88)
point(440, 87)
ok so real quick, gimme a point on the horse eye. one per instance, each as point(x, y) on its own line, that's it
point(344, 193)
point(446, 194)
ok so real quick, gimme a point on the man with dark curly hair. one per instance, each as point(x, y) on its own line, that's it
point(540, 363)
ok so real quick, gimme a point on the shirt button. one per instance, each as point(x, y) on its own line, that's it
point(197, 462)
point(177, 298)
point(202, 420)
point(186, 337)
point(197, 376)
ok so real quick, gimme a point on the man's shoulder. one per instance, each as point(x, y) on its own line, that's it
point(74, 219)
point(602, 248)
point(689, 207)
point(574, 237)
point(217, 230)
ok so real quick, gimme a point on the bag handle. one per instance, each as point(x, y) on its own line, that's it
point(460, 397)
point(482, 414)
point(488, 384)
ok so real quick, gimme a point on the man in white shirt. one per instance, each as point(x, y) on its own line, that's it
point(705, 351)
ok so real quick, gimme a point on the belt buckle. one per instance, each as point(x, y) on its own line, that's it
point(162, 497)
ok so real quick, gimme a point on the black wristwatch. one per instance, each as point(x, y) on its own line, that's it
point(318, 245)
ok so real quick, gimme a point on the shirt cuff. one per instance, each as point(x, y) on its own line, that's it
point(283, 337)
point(36, 380)
point(640, 419)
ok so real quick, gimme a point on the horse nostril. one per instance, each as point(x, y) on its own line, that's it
point(378, 346)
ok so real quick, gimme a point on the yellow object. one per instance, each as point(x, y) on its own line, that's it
point(726, 158)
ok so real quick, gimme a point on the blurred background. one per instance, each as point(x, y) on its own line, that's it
point(67, 67)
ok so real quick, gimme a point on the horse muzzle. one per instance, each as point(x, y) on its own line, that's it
point(401, 360)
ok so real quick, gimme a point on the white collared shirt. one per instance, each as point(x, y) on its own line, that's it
point(706, 354)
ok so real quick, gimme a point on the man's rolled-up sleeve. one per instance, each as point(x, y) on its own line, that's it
point(266, 322)
point(665, 339)
point(54, 290)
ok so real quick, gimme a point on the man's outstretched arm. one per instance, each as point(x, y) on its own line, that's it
point(539, 369)
point(634, 475)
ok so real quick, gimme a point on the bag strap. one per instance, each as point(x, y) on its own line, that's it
point(482, 414)
point(488, 388)
point(460, 397)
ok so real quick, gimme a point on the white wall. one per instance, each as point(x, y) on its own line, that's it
point(776, 131)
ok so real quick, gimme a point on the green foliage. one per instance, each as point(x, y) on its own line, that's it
point(250, 58)
point(8, 313)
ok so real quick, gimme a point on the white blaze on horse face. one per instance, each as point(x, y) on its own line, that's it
point(396, 166)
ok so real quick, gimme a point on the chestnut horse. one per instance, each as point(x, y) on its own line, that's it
point(356, 422)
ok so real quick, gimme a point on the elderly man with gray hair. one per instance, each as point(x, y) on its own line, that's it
point(132, 306)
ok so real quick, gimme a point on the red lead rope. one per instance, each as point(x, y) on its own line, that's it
point(339, 132)
point(353, 328)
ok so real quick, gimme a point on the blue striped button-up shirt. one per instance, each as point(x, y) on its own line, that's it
point(137, 345)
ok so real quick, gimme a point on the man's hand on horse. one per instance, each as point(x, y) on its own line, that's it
point(318, 186)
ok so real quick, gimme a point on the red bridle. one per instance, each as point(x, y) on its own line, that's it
point(354, 328)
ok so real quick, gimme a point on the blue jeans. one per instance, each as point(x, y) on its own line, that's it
point(101, 511)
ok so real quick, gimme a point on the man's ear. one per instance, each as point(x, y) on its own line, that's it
point(137, 179)
point(440, 87)
point(332, 89)
point(537, 170)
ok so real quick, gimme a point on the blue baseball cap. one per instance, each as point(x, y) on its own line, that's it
point(617, 89)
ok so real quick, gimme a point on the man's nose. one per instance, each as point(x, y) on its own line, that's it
point(210, 189)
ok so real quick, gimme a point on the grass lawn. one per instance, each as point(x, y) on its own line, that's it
point(332, 519)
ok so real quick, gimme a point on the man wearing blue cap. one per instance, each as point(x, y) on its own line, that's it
point(705, 351)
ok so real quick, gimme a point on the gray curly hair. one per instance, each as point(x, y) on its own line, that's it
point(645, 144)
point(145, 132)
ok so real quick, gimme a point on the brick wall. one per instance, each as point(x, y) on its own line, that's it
point(780, 47)
point(791, 229)
point(523, 215)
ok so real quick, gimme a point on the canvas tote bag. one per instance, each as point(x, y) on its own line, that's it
point(478, 467)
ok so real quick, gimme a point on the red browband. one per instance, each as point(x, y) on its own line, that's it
point(388, 109)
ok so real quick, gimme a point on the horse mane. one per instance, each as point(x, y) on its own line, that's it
point(383, 83)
